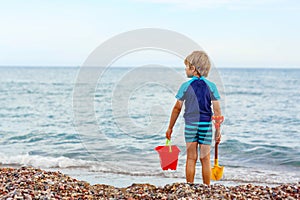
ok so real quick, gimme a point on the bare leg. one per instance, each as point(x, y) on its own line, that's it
point(205, 161)
point(191, 159)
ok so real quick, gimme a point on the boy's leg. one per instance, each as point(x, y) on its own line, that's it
point(205, 161)
point(191, 159)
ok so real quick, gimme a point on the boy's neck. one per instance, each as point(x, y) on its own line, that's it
point(196, 75)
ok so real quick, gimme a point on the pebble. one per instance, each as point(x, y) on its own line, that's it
point(30, 183)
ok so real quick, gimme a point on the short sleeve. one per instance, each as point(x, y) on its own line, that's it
point(215, 94)
point(181, 92)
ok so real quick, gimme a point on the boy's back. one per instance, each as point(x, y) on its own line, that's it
point(197, 95)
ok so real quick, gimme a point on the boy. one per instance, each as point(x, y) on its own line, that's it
point(198, 94)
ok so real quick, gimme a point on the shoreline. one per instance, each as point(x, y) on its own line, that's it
point(33, 183)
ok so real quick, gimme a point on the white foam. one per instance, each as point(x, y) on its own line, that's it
point(43, 162)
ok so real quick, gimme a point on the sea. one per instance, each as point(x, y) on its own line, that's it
point(105, 130)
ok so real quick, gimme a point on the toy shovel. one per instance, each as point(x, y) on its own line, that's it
point(216, 171)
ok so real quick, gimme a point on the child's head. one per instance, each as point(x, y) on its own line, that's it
point(200, 61)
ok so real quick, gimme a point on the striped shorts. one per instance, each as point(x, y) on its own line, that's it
point(200, 132)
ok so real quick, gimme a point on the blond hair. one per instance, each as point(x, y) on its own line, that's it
point(200, 61)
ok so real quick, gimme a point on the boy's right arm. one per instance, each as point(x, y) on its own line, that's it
point(175, 113)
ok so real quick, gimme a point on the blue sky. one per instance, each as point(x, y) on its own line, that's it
point(235, 33)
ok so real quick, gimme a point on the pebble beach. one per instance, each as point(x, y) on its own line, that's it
point(31, 183)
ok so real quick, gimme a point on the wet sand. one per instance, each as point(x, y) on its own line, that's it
point(30, 183)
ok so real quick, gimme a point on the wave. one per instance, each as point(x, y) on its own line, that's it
point(43, 162)
point(96, 167)
point(254, 153)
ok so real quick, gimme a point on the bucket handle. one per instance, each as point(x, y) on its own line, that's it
point(168, 143)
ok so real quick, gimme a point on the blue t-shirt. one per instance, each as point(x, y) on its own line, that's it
point(197, 95)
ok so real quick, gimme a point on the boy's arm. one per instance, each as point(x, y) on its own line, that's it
point(217, 112)
point(175, 113)
point(216, 108)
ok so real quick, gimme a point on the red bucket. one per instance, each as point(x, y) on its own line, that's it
point(168, 156)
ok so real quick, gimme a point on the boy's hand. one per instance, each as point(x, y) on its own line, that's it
point(218, 136)
point(169, 133)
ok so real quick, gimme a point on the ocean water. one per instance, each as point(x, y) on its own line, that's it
point(47, 122)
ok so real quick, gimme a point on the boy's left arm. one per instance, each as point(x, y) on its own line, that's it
point(217, 112)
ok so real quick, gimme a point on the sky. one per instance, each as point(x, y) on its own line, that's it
point(235, 33)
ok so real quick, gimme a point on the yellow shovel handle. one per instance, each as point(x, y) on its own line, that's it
point(216, 162)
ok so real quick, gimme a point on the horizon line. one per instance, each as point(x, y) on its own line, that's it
point(123, 66)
